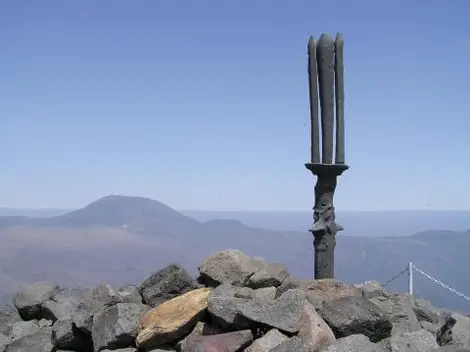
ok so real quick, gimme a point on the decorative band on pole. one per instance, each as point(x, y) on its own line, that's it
point(326, 88)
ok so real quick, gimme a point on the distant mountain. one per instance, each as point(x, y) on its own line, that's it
point(356, 223)
point(122, 239)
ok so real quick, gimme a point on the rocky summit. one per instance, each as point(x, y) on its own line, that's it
point(238, 303)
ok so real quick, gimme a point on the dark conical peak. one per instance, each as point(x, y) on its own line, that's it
point(127, 211)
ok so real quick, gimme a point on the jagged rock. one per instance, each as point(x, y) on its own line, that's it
point(166, 284)
point(266, 343)
point(116, 326)
point(29, 300)
point(282, 313)
point(130, 294)
point(67, 337)
point(63, 303)
point(173, 319)
point(201, 329)
point(230, 266)
point(294, 344)
point(23, 328)
point(45, 323)
point(270, 274)
point(319, 291)
point(4, 340)
point(425, 311)
point(370, 289)
point(352, 343)
point(264, 293)
point(416, 341)
point(40, 341)
point(432, 328)
point(399, 308)
point(356, 315)
point(223, 304)
point(455, 330)
point(102, 296)
point(314, 333)
point(8, 316)
point(227, 342)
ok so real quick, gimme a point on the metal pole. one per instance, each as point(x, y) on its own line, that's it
point(410, 278)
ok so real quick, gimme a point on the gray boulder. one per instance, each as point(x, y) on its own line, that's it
point(229, 266)
point(223, 306)
point(165, 284)
point(282, 313)
point(416, 341)
point(356, 315)
point(116, 326)
point(353, 343)
point(269, 274)
point(266, 343)
point(102, 296)
point(8, 316)
point(38, 342)
point(294, 344)
point(29, 300)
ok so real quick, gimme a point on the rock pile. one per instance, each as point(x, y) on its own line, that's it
point(238, 303)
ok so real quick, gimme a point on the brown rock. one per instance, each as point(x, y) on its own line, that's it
point(314, 333)
point(228, 342)
point(172, 319)
point(320, 291)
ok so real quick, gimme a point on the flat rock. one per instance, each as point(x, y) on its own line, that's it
point(266, 343)
point(166, 284)
point(229, 266)
point(223, 306)
point(29, 300)
point(172, 319)
point(227, 342)
point(116, 326)
point(353, 343)
point(356, 315)
point(314, 333)
point(282, 313)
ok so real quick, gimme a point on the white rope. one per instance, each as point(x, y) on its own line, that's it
point(440, 283)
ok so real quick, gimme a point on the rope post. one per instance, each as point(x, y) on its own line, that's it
point(410, 278)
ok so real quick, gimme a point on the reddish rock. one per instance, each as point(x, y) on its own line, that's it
point(228, 342)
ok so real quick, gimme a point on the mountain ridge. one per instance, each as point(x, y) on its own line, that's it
point(120, 237)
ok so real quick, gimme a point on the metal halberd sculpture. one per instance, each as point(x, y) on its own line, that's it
point(326, 83)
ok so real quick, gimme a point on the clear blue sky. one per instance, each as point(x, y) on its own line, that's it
point(204, 104)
